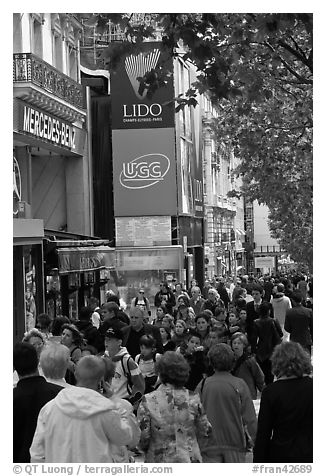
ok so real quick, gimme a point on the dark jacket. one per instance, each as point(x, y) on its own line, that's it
point(132, 338)
point(264, 337)
point(90, 333)
point(168, 298)
point(285, 422)
point(30, 395)
point(252, 315)
point(298, 322)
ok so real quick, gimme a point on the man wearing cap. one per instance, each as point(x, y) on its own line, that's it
point(128, 381)
point(137, 329)
point(110, 316)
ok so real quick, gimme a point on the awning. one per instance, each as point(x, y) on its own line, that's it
point(82, 259)
point(28, 231)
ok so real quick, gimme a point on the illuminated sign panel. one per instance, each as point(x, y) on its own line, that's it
point(131, 109)
point(144, 172)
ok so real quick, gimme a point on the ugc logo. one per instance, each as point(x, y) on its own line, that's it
point(144, 171)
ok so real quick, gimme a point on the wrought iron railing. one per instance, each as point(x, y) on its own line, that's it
point(30, 68)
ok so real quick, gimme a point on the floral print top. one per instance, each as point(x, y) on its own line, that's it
point(171, 419)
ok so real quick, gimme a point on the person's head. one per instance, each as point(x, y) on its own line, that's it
point(183, 299)
point(168, 322)
point(70, 335)
point(202, 322)
point(147, 345)
point(89, 372)
point(233, 318)
point(178, 288)
point(89, 350)
point(241, 303)
point(264, 310)
point(160, 311)
point(220, 315)
point(25, 359)
point(280, 288)
point(289, 359)
point(43, 322)
point(141, 293)
point(238, 284)
point(165, 287)
point(221, 357)
point(109, 310)
point(243, 315)
point(195, 292)
point(239, 343)
point(54, 360)
point(208, 313)
point(257, 292)
point(212, 294)
point(243, 292)
point(113, 340)
point(219, 305)
point(137, 317)
point(180, 327)
point(193, 282)
point(93, 302)
point(36, 339)
point(111, 297)
point(193, 341)
point(57, 324)
point(165, 333)
point(297, 297)
point(85, 313)
point(212, 337)
point(173, 369)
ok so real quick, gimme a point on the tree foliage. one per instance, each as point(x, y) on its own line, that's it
point(258, 70)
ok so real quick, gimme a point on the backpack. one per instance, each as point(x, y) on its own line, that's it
point(126, 369)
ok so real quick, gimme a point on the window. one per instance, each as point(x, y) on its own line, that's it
point(37, 43)
point(57, 51)
point(17, 31)
point(71, 62)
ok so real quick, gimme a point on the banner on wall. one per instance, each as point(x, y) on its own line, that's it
point(131, 109)
point(144, 172)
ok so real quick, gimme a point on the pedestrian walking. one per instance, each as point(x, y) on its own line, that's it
point(80, 425)
point(171, 418)
point(285, 420)
point(228, 404)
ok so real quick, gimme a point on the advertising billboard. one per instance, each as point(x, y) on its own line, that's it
point(144, 172)
point(131, 109)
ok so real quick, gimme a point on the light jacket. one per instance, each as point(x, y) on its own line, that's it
point(80, 427)
point(281, 304)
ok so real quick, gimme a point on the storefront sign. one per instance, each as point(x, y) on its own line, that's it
point(265, 262)
point(78, 259)
point(48, 128)
point(131, 109)
point(143, 231)
point(169, 258)
point(144, 174)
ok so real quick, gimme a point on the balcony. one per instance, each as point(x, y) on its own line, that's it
point(29, 70)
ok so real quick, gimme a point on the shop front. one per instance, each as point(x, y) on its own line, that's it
point(76, 270)
point(28, 293)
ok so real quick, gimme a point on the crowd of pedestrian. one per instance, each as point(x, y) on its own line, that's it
point(179, 384)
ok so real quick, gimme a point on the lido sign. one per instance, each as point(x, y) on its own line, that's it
point(144, 171)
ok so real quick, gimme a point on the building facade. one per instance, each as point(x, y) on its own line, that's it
point(53, 265)
point(224, 233)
